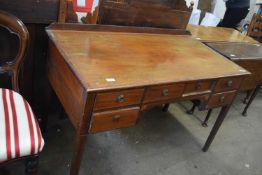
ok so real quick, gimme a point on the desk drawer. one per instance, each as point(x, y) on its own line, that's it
point(221, 99)
point(164, 92)
point(109, 120)
point(227, 84)
point(118, 99)
point(198, 86)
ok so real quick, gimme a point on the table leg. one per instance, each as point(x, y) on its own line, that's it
point(249, 93)
point(254, 94)
point(77, 154)
point(216, 127)
point(165, 107)
point(204, 124)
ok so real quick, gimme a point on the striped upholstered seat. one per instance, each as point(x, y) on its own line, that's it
point(19, 131)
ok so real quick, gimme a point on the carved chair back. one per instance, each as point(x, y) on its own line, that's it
point(12, 66)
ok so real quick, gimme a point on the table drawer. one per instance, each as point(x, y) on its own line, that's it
point(109, 120)
point(221, 99)
point(226, 84)
point(198, 86)
point(118, 99)
point(164, 92)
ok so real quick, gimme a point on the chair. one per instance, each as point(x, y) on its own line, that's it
point(20, 135)
point(255, 27)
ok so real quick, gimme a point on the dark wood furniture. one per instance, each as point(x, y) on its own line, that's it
point(107, 78)
point(255, 27)
point(145, 13)
point(12, 67)
point(239, 48)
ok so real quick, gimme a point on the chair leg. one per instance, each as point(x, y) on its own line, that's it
point(249, 93)
point(165, 108)
point(31, 165)
point(192, 110)
point(244, 113)
point(204, 124)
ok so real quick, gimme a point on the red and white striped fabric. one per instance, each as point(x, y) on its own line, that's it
point(20, 134)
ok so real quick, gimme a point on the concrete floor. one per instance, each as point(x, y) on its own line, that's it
point(161, 144)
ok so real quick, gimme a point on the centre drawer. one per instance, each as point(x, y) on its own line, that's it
point(164, 92)
point(199, 86)
point(122, 98)
point(109, 120)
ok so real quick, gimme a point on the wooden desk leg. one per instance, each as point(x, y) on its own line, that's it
point(77, 154)
point(254, 94)
point(204, 124)
point(165, 108)
point(216, 127)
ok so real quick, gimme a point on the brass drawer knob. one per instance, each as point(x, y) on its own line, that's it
point(120, 98)
point(165, 92)
point(198, 86)
point(116, 118)
point(229, 83)
point(222, 99)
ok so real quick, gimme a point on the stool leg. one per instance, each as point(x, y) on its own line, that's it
point(31, 166)
point(244, 113)
point(204, 124)
point(165, 108)
point(245, 101)
point(192, 110)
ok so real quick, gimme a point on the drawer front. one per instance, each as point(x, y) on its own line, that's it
point(118, 99)
point(165, 92)
point(221, 99)
point(109, 120)
point(227, 84)
point(198, 86)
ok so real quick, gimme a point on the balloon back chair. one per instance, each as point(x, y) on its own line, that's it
point(20, 135)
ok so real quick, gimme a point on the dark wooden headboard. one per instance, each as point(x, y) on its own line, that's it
point(145, 13)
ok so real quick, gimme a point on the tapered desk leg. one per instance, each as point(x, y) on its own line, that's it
point(216, 127)
point(249, 93)
point(77, 154)
point(204, 124)
point(254, 94)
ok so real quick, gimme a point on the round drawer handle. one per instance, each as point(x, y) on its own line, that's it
point(165, 92)
point(222, 99)
point(120, 98)
point(229, 83)
point(116, 118)
point(198, 86)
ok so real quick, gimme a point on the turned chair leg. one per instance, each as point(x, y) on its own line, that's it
point(249, 93)
point(31, 165)
point(165, 108)
point(254, 94)
point(204, 124)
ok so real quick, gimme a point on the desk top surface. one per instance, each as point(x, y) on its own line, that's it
point(111, 60)
point(218, 34)
point(236, 51)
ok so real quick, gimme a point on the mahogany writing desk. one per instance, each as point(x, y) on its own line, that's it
point(105, 76)
point(242, 49)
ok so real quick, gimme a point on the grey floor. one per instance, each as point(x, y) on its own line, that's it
point(161, 144)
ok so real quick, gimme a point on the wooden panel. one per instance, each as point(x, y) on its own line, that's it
point(32, 11)
point(227, 84)
point(198, 86)
point(170, 14)
point(68, 89)
point(106, 121)
point(118, 99)
point(165, 92)
point(221, 99)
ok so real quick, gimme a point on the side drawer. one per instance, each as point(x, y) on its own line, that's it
point(165, 92)
point(227, 84)
point(109, 120)
point(199, 86)
point(221, 99)
point(118, 99)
